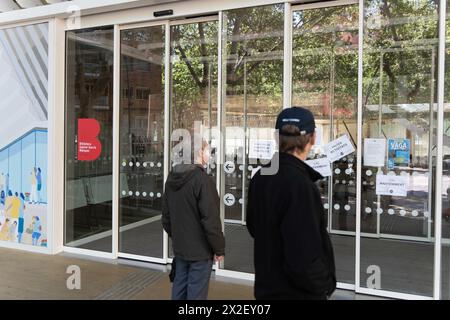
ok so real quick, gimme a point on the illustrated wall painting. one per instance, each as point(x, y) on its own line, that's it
point(24, 135)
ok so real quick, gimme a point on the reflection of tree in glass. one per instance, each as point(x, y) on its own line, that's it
point(254, 50)
point(325, 64)
point(194, 72)
point(404, 35)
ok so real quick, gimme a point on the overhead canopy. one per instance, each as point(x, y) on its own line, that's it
point(8, 5)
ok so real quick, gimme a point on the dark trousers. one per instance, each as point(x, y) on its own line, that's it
point(191, 279)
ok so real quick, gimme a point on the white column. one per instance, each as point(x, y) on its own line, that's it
point(439, 155)
point(287, 66)
point(167, 132)
point(56, 120)
point(220, 117)
point(116, 144)
point(359, 145)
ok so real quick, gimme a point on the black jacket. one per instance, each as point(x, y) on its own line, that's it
point(293, 254)
point(191, 214)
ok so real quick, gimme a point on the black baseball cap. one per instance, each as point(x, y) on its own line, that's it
point(300, 117)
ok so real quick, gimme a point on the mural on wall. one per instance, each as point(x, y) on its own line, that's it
point(23, 135)
point(23, 190)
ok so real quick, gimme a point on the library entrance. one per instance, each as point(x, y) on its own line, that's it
point(131, 89)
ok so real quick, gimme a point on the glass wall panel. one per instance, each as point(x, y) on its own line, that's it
point(193, 107)
point(400, 55)
point(252, 98)
point(88, 147)
point(446, 170)
point(141, 141)
point(324, 75)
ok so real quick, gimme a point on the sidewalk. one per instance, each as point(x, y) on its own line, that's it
point(26, 275)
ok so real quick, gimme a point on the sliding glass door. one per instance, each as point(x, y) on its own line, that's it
point(399, 94)
point(193, 89)
point(88, 140)
point(142, 76)
point(324, 80)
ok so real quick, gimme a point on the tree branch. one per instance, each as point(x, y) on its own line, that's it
point(203, 53)
point(189, 65)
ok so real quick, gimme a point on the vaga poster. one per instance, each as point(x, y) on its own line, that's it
point(399, 151)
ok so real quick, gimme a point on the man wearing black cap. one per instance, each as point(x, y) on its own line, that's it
point(293, 254)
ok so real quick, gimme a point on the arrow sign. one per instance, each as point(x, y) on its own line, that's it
point(229, 167)
point(229, 199)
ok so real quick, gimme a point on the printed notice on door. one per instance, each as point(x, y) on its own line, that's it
point(391, 185)
point(374, 152)
point(321, 165)
point(339, 148)
point(261, 149)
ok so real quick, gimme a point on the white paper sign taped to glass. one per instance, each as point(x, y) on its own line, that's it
point(319, 136)
point(391, 185)
point(339, 148)
point(321, 165)
point(261, 149)
point(374, 152)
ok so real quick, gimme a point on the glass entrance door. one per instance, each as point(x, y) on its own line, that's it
point(193, 107)
point(396, 238)
point(399, 85)
point(142, 76)
point(170, 79)
point(193, 89)
point(252, 97)
point(324, 80)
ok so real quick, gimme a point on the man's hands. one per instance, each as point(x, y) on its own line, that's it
point(218, 258)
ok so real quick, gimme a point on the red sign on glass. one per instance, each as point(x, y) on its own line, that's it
point(89, 147)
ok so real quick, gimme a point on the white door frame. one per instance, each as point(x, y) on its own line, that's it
point(439, 156)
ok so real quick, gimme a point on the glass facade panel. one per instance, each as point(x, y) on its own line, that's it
point(193, 88)
point(445, 263)
point(400, 55)
point(252, 96)
point(89, 139)
point(398, 143)
point(142, 141)
point(325, 80)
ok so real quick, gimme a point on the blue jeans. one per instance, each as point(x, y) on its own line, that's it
point(191, 279)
